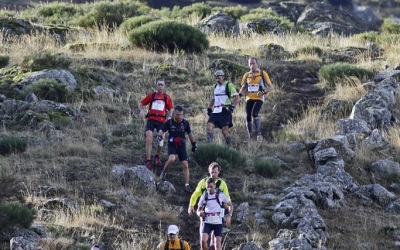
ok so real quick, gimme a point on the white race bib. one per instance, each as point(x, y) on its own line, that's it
point(217, 110)
point(253, 88)
point(214, 219)
point(158, 105)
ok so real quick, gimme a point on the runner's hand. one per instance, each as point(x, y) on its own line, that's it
point(209, 111)
point(194, 146)
point(231, 107)
point(159, 138)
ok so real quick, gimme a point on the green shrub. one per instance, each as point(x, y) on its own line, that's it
point(135, 22)
point(59, 12)
point(111, 14)
point(267, 168)
point(207, 153)
point(333, 72)
point(15, 214)
point(12, 144)
point(45, 60)
point(235, 11)
point(169, 36)
point(201, 10)
point(390, 26)
point(50, 89)
point(4, 60)
point(309, 50)
point(370, 36)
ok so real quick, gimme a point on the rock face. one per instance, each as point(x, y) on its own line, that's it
point(326, 188)
point(219, 23)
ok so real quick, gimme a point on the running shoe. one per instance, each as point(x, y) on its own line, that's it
point(148, 164)
point(157, 161)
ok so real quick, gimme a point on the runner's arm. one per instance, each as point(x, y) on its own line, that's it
point(224, 188)
point(197, 192)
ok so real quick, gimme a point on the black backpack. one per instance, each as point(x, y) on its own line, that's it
point(151, 103)
point(167, 245)
point(216, 198)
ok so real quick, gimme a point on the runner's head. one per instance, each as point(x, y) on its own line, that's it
point(178, 113)
point(214, 169)
point(210, 185)
point(160, 85)
point(219, 76)
point(173, 231)
point(253, 64)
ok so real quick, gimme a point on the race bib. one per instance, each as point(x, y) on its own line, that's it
point(253, 88)
point(158, 105)
point(215, 219)
point(217, 110)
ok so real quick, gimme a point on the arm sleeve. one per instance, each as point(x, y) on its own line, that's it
point(266, 77)
point(186, 245)
point(197, 193)
point(232, 89)
point(170, 104)
point(224, 188)
point(145, 101)
point(188, 129)
point(244, 82)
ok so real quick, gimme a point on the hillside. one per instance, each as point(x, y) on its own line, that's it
point(325, 176)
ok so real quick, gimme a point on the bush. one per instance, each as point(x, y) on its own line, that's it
point(235, 11)
point(15, 214)
point(267, 168)
point(135, 22)
point(169, 36)
point(58, 12)
point(201, 10)
point(309, 50)
point(333, 72)
point(4, 60)
point(45, 60)
point(50, 89)
point(12, 144)
point(111, 14)
point(208, 153)
point(390, 26)
point(370, 36)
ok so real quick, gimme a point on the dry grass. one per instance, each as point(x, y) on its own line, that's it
point(81, 148)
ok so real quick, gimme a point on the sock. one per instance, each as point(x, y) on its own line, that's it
point(250, 129)
point(210, 137)
point(257, 125)
point(228, 140)
point(187, 184)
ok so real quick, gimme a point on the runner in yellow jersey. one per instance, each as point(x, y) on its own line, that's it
point(256, 84)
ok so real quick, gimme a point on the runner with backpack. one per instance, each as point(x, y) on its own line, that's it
point(173, 242)
point(177, 127)
point(213, 169)
point(211, 209)
point(256, 84)
point(160, 109)
point(221, 106)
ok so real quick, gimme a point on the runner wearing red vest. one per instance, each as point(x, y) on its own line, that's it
point(160, 109)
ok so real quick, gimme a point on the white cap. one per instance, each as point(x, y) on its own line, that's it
point(219, 73)
point(173, 229)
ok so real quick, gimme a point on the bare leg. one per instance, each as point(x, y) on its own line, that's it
point(204, 241)
point(218, 245)
point(149, 141)
point(210, 134)
point(170, 161)
point(185, 167)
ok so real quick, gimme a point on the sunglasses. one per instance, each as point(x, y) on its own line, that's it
point(160, 84)
point(219, 76)
point(171, 234)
